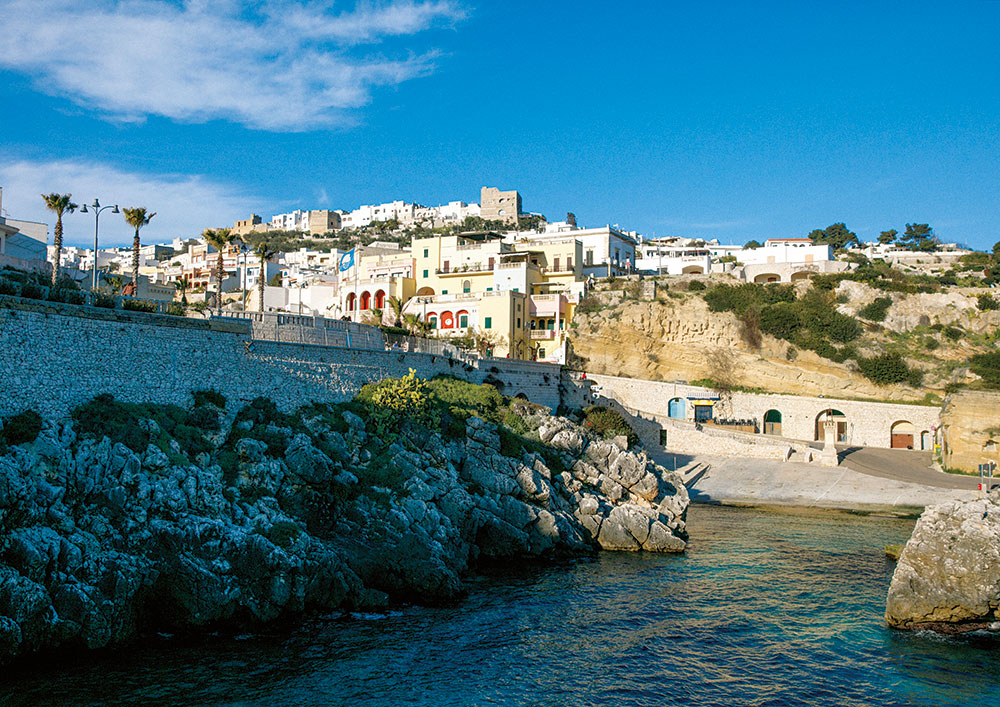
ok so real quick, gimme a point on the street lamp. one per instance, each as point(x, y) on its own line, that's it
point(96, 206)
point(244, 251)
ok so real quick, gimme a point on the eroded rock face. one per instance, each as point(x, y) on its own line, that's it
point(99, 543)
point(948, 575)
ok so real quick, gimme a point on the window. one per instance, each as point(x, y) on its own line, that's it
point(425, 273)
point(425, 252)
point(555, 263)
point(663, 438)
point(590, 258)
point(466, 286)
point(433, 321)
point(444, 292)
point(488, 322)
point(551, 325)
point(444, 266)
point(518, 322)
point(489, 289)
point(569, 263)
point(463, 321)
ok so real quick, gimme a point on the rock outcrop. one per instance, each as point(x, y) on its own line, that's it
point(99, 543)
point(948, 575)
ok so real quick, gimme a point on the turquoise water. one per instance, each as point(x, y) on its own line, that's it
point(765, 608)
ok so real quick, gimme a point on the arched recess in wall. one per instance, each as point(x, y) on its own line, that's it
point(432, 320)
point(447, 320)
point(466, 285)
point(772, 422)
point(841, 428)
point(767, 277)
point(425, 292)
point(801, 275)
point(380, 299)
point(462, 319)
point(693, 270)
point(366, 299)
point(677, 409)
point(352, 300)
point(901, 435)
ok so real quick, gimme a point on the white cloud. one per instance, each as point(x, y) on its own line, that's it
point(287, 66)
point(185, 205)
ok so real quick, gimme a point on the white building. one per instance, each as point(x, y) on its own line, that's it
point(22, 243)
point(674, 256)
point(606, 250)
point(297, 220)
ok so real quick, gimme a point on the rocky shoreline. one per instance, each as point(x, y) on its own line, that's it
point(209, 517)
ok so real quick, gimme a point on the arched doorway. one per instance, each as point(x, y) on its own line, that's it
point(425, 292)
point(772, 422)
point(380, 299)
point(925, 440)
point(366, 299)
point(352, 301)
point(677, 409)
point(901, 435)
point(693, 270)
point(838, 417)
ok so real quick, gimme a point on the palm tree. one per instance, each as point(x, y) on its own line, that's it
point(265, 253)
point(219, 238)
point(115, 282)
point(60, 204)
point(396, 305)
point(412, 323)
point(136, 217)
point(181, 285)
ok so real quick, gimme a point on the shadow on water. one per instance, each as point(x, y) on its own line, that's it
point(764, 608)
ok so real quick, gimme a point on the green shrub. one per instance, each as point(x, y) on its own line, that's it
point(987, 302)
point(103, 300)
point(176, 309)
point(22, 428)
point(876, 310)
point(987, 366)
point(140, 305)
point(8, 288)
point(32, 291)
point(696, 286)
point(589, 304)
point(953, 333)
point(606, 423)
point(780, 321)
point(884, 369)
point(209, 397)
point(930, 343)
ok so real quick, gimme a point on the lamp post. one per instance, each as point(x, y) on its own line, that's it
point(244, 251)
point(96, 206)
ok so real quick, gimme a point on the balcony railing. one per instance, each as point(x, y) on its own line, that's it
point(543, 334)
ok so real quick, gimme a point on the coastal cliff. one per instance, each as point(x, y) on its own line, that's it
point(948, 575)
point(128, 519)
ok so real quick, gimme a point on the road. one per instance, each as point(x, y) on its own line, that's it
point(903, 465)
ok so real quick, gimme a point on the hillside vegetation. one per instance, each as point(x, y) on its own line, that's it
point(871, 333)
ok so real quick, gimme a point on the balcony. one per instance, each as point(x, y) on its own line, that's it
point(543, 334)
point(476, 269)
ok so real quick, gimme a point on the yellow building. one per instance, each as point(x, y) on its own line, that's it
point(373, 280)
point(520, 294)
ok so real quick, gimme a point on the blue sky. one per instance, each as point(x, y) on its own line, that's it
point(728, 120)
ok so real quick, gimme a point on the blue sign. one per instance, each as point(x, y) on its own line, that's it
point(347, 260)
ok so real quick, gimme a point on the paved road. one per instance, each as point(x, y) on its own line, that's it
point(903, 465)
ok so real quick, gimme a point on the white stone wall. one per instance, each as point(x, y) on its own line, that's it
point(868, 423)
point(52, 362)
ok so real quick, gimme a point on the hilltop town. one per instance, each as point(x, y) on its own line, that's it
point(906, 318)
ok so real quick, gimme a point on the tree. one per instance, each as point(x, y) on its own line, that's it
point(180, 285)
point(751, 245)
point(265, 253)
point(59, 204)
point(887, 237)
point(396, 305)
point(919, 236)
point(219, 238)
point(836, 235)
point(136, 217)
point(115, 282)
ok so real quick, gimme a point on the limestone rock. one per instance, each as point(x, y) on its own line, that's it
point(948, 575)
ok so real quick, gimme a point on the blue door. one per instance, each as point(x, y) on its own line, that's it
point(675, 409)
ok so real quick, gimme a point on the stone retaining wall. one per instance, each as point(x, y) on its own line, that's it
point(54, 357)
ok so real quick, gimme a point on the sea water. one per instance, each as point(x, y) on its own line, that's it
point(764, 608)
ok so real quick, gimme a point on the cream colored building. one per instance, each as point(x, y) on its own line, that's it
point(496, 205)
